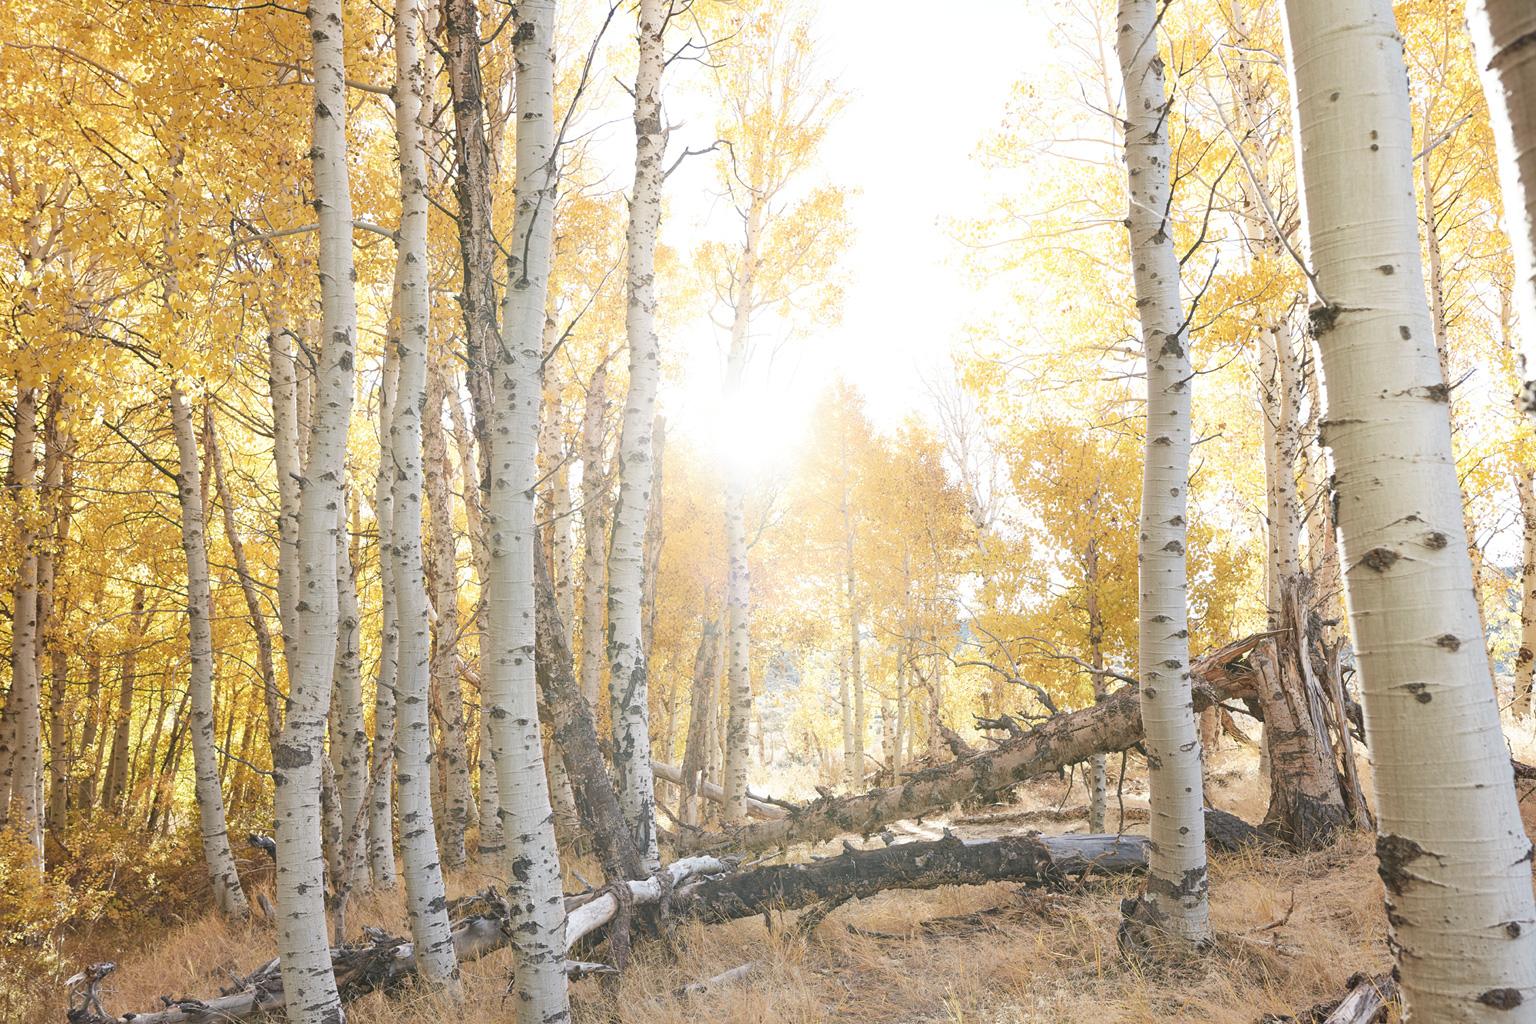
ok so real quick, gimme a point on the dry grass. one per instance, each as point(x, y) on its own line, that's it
point(1036, 957)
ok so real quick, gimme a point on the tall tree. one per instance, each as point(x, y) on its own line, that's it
point(302, 942)
point(1451, 846)
point(629, 687)
point(1174, 905)
point(228, 896)
point(425, 899)
point(509, 697)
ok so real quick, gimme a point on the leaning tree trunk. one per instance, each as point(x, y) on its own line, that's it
point(424, 891)
point(228, 897)
point(1174, 905)
point(628, 686)
point(300, 886)
point(1502, 31)
point(510, 697)
point(1452, 850)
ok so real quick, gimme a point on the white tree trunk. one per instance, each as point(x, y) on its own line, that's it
point(381, 812)
point(228, 897)
point(1525, 658)
point(594, 520)
point(1501, 35)
point(23, 707)
point(1452, 850)
point(1174, 905)
point(425, 899)
point(537, 910)
point(301, 933)
point(453, 748)
point(738, 583)
point(349, 738)
point(628, 687)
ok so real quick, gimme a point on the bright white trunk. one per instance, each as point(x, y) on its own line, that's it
point(349, 738)
point(1453, 853)
point(1175, 902)
point(1502, 31)
point(302, 942)
point(381, 812)
point(425, 898)
point(537, 909)
point(594, 519)
point(628, 683)
point(228, 897)
point(23, 708)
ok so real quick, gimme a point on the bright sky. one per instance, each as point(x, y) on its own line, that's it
point(925, 84)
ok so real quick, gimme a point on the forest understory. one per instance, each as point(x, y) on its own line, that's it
point(1291, 930)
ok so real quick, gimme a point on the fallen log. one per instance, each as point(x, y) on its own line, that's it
point(384, 961)
point(1077, 812)
point(1112, 724)
point(757, 807)
point(1365, 1001)
point(1049, 861)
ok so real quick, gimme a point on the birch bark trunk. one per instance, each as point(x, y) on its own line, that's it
point(629, 688)
point(425, 896)
point(228, 896)
point(301, 933)
point(1452, 850)
point(381, 811)
point(443, 572)
point(537, 910)
point(21, 804)
point(1501, 34)
point(1174, 907)
point(349, 739)
point(594, 519)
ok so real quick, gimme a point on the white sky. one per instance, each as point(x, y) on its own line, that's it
point(926, 83)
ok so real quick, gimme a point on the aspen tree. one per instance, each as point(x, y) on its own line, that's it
point(629, 687)
point(381, 815)
point(1451, 847)
point(594, 524)
point(302, 942)
point(537, 911)
point(1501, 34)
point(228, 896)
point(20, 803)
point(425, 899)
point(1174, 905)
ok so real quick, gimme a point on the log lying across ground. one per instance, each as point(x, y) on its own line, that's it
point(696, 887)
point(1112, 724)
point(1046, 861)
point(479, 928)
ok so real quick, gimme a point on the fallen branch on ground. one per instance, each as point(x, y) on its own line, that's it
point(720, 980)
point(1112, 724)
point(384, 960)
point(1365, 1000)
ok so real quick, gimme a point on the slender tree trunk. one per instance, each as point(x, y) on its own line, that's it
point(301, 933)
point(349, 737)
point(21, 804)
point(57, 502)
point(1452, 851)
point(442, 570)
point(271, 696)
point(1099, 781)
point(91, 734)
point(1525, 658)
point(702, 699)
point(629, 689)
point(537, 914)
point(381, 814)
point(1501, 34)
point(115, 789)
point(425, 898)
point(594, 518)
point(228, 896)
point(1174, 906)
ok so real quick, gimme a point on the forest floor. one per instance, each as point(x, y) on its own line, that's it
point(1290, 931)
